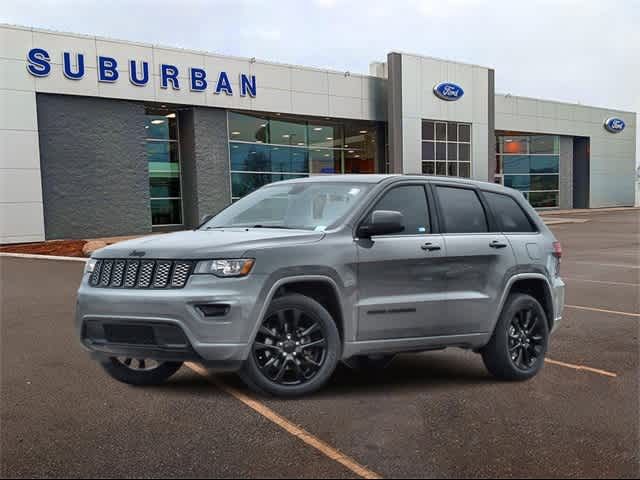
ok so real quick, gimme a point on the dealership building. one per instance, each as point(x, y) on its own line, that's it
point(103, 137)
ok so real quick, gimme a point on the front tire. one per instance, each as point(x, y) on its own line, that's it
point(140, 372)
point(296, 350)
point(519, 343)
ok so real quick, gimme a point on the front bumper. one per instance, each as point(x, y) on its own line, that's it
point(222, 340)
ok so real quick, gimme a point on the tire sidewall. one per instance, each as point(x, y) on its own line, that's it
point(253, 376)
point(499, 345)
point(127, 375)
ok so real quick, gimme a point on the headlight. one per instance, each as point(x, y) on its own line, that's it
point(90, 266)
point(226, 268)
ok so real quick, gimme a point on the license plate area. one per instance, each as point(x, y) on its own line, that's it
point(129, 334)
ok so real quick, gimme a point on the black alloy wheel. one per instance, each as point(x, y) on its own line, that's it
point(526, 338)
point(519, 343)
point(290, 347)
point(296, 349)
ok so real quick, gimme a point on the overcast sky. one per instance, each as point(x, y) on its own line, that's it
point(585, 51)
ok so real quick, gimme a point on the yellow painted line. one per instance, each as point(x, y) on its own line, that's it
point(287, 426)
point(614, 312)
point(582, 368)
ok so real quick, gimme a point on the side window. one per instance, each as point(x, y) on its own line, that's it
point(509, 214)
point(411, 201)
point(462, 210)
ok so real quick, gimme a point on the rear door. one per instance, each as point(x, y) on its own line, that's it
point(401, 283)
point(478, 257)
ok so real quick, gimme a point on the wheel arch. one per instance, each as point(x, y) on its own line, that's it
point(321, 288)
point(534, 284)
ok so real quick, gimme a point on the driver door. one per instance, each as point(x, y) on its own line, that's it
point(401, 277)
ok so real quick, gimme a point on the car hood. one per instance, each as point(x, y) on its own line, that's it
point(202, 244)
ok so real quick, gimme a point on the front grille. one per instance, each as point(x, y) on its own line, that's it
point(122, 273)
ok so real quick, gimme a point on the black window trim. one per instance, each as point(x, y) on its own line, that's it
point(498, 222)
point(492, 225)
point(374, 201)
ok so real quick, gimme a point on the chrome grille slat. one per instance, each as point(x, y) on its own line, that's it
point(105, 275)
point(95, 275)
point(161, 277)
point(118, 273)
point(131, 276)
point(148, 273)
point(181, 272)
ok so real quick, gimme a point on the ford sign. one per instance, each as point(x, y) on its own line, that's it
point(614, 125)
point(448, 91)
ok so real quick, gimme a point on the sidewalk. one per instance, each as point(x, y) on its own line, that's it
point(582, 211)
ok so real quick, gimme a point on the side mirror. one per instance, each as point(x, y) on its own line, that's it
point(383, 222)
point(205, 219)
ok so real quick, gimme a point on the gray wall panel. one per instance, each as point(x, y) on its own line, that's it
point(566, 172)
point(95, 178)
point(394, 112)
point(492, 161)
point(210, 161)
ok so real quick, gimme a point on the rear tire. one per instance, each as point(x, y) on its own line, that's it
point(296, 349)
point(124, 373)
point(519, 343)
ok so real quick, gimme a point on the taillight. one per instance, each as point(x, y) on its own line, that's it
point(557, 250)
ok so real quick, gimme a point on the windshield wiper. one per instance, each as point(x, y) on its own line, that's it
point(282, 227)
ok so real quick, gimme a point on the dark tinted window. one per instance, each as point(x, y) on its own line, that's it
point(462, 210)
point(411, 201)
point(509, 214)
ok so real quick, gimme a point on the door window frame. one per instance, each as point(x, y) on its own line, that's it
point(431, 213)
point(492, 224)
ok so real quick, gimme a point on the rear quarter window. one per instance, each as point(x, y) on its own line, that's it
point(509, 214)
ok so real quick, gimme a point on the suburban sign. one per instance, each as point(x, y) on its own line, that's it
point(614, 125)
point(448, 91)
point(108, 71)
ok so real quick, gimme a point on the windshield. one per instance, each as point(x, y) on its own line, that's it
point(301, 206)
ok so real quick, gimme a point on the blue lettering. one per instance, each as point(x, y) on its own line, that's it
point(224, 84)
point(67, 66)
point(39, 65)
point(107, 69)
point(247, 85)
point(198, 82)
point(169, 73)
point(133, 73)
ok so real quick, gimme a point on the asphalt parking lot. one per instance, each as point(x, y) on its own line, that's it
point(427, 415)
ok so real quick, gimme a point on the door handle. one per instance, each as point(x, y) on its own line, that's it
point(430, 247)
point(497, 244)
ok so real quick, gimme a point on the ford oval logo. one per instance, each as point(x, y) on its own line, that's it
point(448, 91)
point(614, 125)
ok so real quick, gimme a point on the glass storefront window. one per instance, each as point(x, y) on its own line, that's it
point(449, 144)
point(531, 164)
point(159, 126)
point(265, 147)
point(248, 128)
point(163, 157)
point(288, 133)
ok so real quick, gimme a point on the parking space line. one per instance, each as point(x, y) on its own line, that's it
point(615, 265)
point(289, 427)
point(575, 279)
point(582, 368)
point(602, 310)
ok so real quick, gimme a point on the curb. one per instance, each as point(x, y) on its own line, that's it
point(42, 257)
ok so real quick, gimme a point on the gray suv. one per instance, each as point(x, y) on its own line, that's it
point(302, 274)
